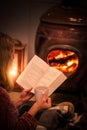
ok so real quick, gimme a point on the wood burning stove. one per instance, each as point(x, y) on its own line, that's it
point(61, 40)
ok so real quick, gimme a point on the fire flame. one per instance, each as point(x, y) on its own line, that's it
point(63, 60)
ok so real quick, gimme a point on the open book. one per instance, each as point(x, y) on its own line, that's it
point(39, 73)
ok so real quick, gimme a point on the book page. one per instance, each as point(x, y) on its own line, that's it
point(39, 73)
point(52, 79)
point(31, 75)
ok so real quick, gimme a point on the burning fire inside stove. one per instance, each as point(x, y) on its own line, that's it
point(63, 60)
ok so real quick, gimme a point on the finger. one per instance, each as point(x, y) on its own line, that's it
point(28, 97)
point(49, 102)
point(31, 95)
point(44, 97)
point(28, 90)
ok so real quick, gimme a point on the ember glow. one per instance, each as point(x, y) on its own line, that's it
point(63, 60)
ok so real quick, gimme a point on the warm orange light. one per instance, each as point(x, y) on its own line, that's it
point(13, 71)
point(63, 60)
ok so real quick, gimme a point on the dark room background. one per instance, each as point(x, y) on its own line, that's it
point(20, 20)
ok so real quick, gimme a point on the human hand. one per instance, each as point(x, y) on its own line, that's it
point(44, 102)
point(26, 95)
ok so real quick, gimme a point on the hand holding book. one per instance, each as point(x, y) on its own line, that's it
point(39, 73)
